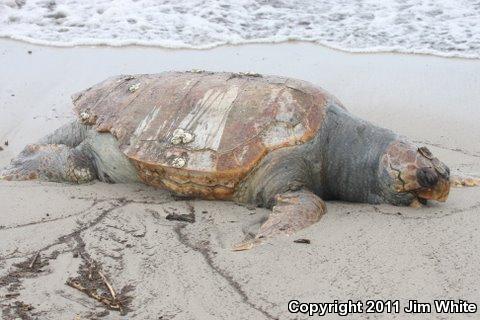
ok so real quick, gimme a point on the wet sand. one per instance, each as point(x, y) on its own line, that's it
point(174, 270)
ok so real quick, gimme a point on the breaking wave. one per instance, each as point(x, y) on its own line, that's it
point(439, 27)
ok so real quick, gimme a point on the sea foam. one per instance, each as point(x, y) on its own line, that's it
point(439, 27)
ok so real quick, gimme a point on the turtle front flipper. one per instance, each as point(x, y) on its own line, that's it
point(51, 162)
point(293, 211)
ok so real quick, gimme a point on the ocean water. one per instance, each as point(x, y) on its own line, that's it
point(439, 27)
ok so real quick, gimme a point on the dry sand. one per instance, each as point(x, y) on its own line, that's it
point(172, 270)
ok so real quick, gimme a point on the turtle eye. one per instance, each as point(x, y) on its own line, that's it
point(425, 152)
point(427, 177)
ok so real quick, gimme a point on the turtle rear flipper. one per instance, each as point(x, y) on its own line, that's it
point(293, 211)
point(51, 162)
point(60, 156)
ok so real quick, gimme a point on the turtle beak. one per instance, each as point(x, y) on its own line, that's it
point(438, 192)
point(434, 180)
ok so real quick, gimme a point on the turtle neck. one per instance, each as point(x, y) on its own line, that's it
point(351, 151)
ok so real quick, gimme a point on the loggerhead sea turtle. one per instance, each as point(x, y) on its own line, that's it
point(270, 141)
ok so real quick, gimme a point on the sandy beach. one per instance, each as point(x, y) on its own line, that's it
point(172, 270)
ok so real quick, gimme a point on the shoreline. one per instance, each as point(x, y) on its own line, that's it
point(359, 51)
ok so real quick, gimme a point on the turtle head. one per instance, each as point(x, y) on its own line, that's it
point(411, 175)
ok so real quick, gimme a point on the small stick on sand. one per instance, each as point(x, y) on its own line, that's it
point(35, 258)
point(109, 286)
point(306, 241)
